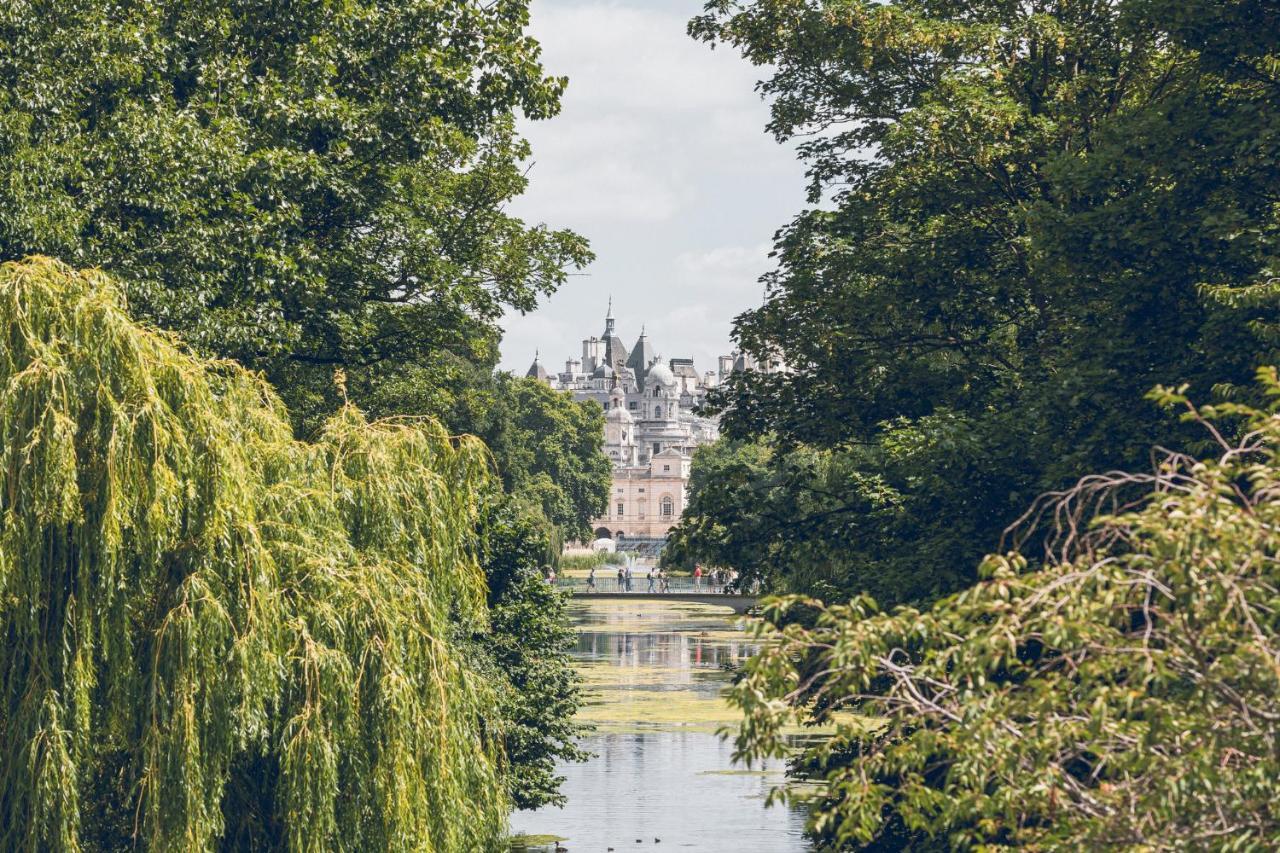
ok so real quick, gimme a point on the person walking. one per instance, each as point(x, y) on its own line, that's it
point(650, 579)
point(628, 577)
point(697, 577)
point(621, 578)
point(591, 580)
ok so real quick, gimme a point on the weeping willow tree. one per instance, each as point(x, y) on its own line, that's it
point(215, 635)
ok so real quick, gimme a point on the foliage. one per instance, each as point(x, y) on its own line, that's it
point(822, 521)
point(1024, 216)
point(213, 630)
point(550, 452)
point(528, 642)
point(595, 559)
point(1125, 694)
point(296, 185)
point(548, 448)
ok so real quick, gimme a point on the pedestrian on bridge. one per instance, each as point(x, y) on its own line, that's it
point(621, 577)
point(697, 577)
point(650, 579)
point(591, 580)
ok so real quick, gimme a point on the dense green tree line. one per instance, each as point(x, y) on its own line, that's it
point(1026, 216)
point(291, 184)
point(318, 190)
point(304, 187)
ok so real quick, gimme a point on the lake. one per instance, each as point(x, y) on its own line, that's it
point(654, 673)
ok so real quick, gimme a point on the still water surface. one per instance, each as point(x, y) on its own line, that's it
point(654, 673)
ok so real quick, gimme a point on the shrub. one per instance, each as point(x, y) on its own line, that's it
point(1126, 692)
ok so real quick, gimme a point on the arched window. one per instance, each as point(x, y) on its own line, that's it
point(668, 507)
point(657, 411)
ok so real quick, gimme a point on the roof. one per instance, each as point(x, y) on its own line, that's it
point(537, 371)
point(662, 375)
point(641, 357)
point(684, 367)
point(615, 352)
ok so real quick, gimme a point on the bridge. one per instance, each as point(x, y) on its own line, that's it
point(739, 603)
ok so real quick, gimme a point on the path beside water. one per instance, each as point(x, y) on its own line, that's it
point(654, 674)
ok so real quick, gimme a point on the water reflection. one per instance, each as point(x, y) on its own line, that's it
point(655, 672)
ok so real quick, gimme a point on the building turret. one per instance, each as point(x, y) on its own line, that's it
point(537, 371)
point(642, 355)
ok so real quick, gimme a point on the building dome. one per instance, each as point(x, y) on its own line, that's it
point(661, 376)
point(604, 371)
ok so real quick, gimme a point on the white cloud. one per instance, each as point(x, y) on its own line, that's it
point(646, 111)
point(659, 156)
point(735, 269)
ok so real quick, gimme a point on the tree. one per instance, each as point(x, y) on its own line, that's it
point(1025, 215)
point(550, 452)
point(527, 644)
point(296, 185)
point(1123, 693)
point(216, 634)
point(547, 447)
point(830, 522)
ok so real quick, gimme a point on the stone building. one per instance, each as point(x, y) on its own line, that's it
point(651, 426)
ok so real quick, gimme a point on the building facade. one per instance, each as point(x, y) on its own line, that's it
point(651, 425)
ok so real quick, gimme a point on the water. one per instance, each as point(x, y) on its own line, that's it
point(654, 674)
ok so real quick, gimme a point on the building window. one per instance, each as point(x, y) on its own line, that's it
point(657, 447)
point(657, 411)
point(619, 510)
point(668, 507)
point(642, 491)
point(666, 467)
point(632, 405)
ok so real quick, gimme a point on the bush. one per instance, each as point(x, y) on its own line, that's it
point(595, 559)
point(1126, 692)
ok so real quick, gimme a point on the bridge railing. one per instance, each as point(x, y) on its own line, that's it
point(608, 582)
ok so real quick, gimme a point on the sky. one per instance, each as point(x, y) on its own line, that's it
point(660, 158)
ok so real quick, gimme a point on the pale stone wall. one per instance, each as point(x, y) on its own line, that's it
point(646, 501)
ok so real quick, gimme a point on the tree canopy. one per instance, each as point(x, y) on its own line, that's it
point(1123, 694)
point(548, 448)
point(1025, 215)
point(296, 185)
point(313, 188)
point(216, 633)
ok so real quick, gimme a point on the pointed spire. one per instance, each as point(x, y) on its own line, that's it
point(536, 370)
point(608, 320)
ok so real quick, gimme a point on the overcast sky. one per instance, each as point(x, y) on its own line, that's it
point(660, 158)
